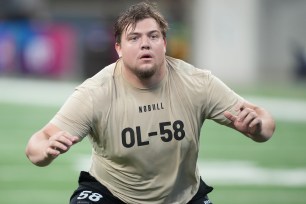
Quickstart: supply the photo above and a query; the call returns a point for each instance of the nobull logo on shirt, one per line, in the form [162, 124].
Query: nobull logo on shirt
[151, 107]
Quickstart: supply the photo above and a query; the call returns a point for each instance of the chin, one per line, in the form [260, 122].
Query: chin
[145, 73]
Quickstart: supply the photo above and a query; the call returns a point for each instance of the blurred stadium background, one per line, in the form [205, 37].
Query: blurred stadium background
[258, 47]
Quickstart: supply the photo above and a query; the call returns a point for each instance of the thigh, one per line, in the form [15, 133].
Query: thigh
[91, 191]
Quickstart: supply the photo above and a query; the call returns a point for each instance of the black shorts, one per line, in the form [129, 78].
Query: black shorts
[90, 191]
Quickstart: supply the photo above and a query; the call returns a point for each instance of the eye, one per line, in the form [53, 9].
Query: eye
[154, 36]
[133, 38]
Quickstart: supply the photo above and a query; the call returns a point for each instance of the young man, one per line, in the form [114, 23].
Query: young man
[143, 115]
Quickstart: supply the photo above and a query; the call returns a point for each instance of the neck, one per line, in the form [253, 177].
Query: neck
[144, 83]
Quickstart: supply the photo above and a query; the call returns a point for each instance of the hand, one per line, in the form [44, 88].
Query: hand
[246, 121]
[60, 143]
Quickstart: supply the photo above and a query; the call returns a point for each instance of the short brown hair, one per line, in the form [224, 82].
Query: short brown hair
[136, 13]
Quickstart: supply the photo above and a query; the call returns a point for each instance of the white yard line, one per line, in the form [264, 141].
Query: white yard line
[283, 109]
[35, 92]
[247, 173]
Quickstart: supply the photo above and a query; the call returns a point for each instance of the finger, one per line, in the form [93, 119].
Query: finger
[52, 152]
[255, 127]
[230, 116]
[73, 139]
[64, 138]
[60, 143]
[255, 123]
[65, 141]
[57, 145]
[249, 118]
[244, 113]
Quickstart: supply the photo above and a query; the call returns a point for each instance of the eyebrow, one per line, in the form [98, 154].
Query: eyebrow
[138, 33]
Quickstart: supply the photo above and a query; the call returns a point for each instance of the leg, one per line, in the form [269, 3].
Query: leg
[90, 191]
[201, 196]
[203, 200]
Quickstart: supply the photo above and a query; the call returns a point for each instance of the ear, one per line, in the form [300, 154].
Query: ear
[165, 45]
[118, 49]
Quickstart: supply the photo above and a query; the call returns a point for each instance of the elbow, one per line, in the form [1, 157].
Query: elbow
[261, 139]
[37, 162]
[34, 160]
[265, 135]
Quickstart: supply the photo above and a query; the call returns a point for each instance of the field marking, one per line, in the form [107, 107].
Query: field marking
[284, 109]
[233, 173]
[54, 93]
[247, 173]
[35, 92]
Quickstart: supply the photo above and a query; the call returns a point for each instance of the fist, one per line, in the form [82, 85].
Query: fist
[246, 121]
[60, 143]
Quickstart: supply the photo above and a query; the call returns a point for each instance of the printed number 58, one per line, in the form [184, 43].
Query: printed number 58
[95, 197]
[168, 134]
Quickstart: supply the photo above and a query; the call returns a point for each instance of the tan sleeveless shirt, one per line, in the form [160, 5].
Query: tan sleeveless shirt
[146, 141]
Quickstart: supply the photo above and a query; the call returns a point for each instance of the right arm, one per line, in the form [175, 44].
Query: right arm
[48, 143]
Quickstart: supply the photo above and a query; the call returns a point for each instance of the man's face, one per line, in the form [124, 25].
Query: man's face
[143, 48]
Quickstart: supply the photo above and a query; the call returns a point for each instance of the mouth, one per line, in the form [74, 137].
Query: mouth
[146, 56]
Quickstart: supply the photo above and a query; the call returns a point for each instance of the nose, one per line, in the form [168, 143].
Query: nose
[145, 47]
[145, 44]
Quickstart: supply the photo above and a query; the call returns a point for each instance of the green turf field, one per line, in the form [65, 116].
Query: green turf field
[22, 182]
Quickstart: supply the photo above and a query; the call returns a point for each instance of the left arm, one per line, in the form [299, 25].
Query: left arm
[252, 121]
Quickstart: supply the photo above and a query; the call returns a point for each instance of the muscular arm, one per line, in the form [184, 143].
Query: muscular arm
[47, 144]
[253, 121]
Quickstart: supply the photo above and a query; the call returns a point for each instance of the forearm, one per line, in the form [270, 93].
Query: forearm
[47, 144]
[36, 150]
[252, 121]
